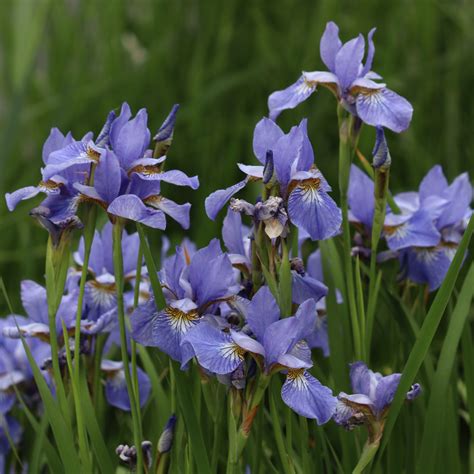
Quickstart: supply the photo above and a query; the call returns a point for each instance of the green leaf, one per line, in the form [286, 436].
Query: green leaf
[426, 334]
[193, 427]
[285, 299]
[61, 431]
[442, 378]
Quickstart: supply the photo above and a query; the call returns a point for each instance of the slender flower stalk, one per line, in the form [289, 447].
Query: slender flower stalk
[57, 259]
[345, 158]
[119, 281]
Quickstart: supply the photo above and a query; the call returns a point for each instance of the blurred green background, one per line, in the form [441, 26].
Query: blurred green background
[67, 63]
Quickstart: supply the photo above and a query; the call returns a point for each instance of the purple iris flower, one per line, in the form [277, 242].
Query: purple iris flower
[193, 285]
[302, 187]
[413, 227]
[442, 212]
[373, 395]
[127, 180]
[278, 344]
[116, 388]
[352, 82]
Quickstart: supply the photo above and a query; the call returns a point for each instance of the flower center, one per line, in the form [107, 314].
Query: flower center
[181, 321]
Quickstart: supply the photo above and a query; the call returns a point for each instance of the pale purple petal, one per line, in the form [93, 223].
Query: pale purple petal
[434, 182]
[21, 195]
[361, 196]
[308, 397]
[312, 209]
[330, 45]
[265, 136]
[215, 350]
[218, 199]
[179, 212]
[384, 108]
[363, 380]
[55, 141]
[305, 287]
[107, 177]
[131, 207]
[232, 233]
[459, 196]
[262, 311]
[220, 278]
[255, 171]
[131, 141]
[385, 391]
[164, 329]
[348, 61]
[116, 391]
[34, 300]
[289, 98]
[418, 231]
[247, 343]
[179, 179]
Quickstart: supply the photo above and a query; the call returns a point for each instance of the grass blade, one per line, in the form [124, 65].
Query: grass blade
[427, 333]
[442, 377]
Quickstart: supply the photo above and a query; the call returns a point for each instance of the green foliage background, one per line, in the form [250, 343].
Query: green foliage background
[66, 63]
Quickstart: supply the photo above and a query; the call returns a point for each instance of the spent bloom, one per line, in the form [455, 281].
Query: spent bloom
[351, 80]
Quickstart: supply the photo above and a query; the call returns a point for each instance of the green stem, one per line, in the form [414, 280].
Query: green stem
[57, 261]
[160, 301]
[381, 181]
[119, 282]
[277, 431]
[345, 158]
[136, 298]
[368, 453]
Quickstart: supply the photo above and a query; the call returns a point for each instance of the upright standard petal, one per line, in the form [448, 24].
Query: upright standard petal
[55, 141]
[211, 276]
[262, 311]
[305, 287]
[131, 141]
[434, 183]
[218, 199]
[459, 196]
[308, 397]
[265, 136]
[290, 97]
[385, 392]
[348, 61]
[107, 177]
[312, 209]
[131, 207]
[330, 45]
[384, 108]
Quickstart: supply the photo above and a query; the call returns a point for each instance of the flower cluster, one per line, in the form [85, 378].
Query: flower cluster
[251, 315]
[117, 171]
[425, 232]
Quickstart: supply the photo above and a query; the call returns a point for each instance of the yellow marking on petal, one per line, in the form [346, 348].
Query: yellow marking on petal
[93, 154]
[181, 321]
[146, 170]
